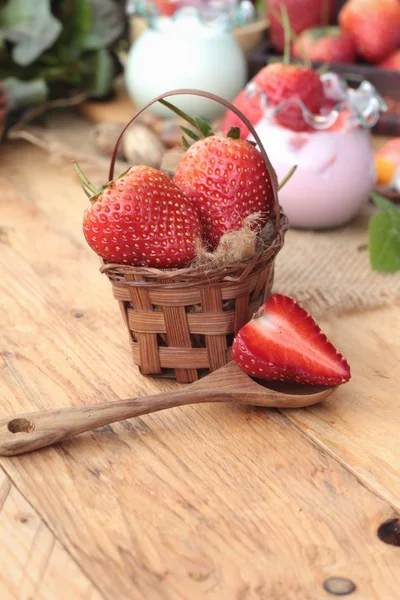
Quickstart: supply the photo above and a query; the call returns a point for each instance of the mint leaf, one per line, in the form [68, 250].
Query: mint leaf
[234, 133]
[384, 242]
[384, 204]
[384, 236]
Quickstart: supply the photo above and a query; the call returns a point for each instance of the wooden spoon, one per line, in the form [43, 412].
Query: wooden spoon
[31, 431]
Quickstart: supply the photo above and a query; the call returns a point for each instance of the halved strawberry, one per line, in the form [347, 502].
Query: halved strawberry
[283, 342]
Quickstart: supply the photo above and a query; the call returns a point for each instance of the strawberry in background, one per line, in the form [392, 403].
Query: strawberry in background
[391, 62]
[280, 82]
[326, 45]
[302, 14]
[167, 8]
[374, 26]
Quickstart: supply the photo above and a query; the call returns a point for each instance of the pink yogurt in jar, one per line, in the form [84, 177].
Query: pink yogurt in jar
[335, 172]
[334, 157]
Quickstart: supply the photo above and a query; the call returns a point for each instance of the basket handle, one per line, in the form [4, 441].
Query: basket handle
[228, 105]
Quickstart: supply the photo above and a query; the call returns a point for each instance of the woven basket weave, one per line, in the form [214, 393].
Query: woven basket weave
[183, 321]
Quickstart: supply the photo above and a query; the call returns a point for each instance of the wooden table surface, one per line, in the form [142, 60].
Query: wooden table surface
[205, 501]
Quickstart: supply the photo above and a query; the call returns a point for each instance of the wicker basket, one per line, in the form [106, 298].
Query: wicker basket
[182, 322]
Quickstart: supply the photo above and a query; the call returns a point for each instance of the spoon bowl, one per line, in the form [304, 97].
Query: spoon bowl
[31, 431]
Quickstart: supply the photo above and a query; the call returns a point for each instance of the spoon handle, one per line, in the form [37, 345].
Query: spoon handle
[31, 431]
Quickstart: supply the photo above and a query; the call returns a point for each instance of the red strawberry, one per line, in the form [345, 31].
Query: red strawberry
[250, 106]
[325, 44]
[374, 25]
[281, 82]
[227, 180]
[283, 342]
[302, 15]
[142, 219]
[391, 62]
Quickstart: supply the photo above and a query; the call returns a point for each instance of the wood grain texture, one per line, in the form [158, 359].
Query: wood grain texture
[20, 433]
[34, 565]
[360, 425]
[198, 502]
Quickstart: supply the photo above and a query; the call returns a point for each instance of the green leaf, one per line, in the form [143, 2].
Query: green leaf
[30, 26]
[21, 94]
[185, 143]
[190, 133]
[103, 71]
[287, 177]
[384, 204]
[203, 126]
[77, 22]
[107, 24]
[234, 133]
[384, 242]
[316, 33]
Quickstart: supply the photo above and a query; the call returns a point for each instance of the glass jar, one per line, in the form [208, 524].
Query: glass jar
[334, 157]
[186, 51]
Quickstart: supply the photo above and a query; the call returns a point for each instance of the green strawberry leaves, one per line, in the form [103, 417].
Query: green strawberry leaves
[320, 32]
[234, 133]
[287, 177]
[384, 236]
[201, 125]
[190, 133]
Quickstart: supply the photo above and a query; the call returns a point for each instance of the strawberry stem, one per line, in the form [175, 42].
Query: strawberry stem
[287, 177]
[325, 13]
[293, 35]
[288, 34]
[84, 180]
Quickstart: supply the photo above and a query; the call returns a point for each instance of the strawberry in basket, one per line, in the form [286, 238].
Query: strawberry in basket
[141, 218]
[227, 180]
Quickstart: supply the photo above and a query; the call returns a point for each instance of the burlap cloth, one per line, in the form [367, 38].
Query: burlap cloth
[329, 271]
[326, 271]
